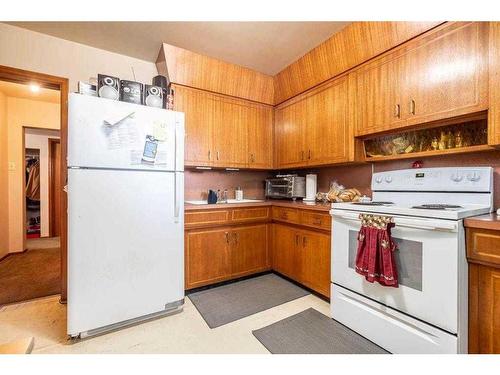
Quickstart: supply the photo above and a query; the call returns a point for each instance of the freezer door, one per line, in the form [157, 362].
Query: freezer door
[125, 245]
[104, 133]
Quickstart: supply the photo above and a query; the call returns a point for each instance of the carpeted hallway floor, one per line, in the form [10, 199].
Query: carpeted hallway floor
[31, 274]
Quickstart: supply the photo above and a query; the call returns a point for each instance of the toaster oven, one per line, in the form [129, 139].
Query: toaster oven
[286, 186]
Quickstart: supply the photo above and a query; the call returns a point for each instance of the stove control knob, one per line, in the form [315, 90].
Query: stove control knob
[388, 179]
[456, 177]
[378, 179]
[473, 177]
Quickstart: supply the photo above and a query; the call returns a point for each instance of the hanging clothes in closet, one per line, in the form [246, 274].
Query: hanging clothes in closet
[33, 179]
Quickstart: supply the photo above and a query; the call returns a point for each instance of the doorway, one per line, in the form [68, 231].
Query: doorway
[42, 157]
[33, 173]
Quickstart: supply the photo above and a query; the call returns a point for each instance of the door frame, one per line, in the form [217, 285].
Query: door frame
[52, 223]
[62, 84]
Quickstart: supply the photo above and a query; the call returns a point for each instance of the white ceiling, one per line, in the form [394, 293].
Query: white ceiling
[267, 47]
[19, 90]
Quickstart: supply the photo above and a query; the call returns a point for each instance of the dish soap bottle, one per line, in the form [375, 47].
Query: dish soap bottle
[238, 194]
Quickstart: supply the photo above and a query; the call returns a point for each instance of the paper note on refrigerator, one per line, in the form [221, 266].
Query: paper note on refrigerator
[160, 131]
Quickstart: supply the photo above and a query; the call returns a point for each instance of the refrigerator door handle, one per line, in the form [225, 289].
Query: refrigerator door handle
[176, 192]
[175, 146]
[177, 204]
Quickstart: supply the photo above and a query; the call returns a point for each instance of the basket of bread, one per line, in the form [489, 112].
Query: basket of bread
[338, 194]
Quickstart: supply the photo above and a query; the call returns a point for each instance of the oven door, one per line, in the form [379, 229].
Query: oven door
[427, 260]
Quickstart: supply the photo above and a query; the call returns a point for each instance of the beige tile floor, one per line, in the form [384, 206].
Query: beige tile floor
[186, 332]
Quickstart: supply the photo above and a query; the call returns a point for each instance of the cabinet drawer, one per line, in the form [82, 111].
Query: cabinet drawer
[289, 215]
[483, 245]
[316, 219]
[250, 214]
[206, 217]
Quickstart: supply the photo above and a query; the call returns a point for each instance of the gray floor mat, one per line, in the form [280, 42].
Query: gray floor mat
[227, 303]
[311, 332]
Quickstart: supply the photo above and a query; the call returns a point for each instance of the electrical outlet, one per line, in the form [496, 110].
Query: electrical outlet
[12, 166]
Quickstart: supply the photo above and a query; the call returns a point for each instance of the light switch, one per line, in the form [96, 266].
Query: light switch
[12, 166]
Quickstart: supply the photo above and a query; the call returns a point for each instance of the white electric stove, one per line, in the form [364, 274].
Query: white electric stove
[428, 312]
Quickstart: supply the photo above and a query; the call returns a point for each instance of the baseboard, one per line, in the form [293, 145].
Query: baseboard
[14, 253]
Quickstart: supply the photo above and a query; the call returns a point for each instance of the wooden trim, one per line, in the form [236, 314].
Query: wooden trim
[494, 84]
[23, 160]
[473, 309]
[191, 69]
[52, 223]
[62, 84]
[9, 254]
[426, 154]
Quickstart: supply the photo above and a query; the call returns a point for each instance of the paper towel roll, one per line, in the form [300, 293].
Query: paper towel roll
[311, 187]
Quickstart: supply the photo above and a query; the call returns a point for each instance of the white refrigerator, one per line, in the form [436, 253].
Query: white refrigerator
[125, 214]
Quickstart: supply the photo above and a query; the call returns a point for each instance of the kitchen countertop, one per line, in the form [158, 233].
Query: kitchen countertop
[488, 221]
[280, 203]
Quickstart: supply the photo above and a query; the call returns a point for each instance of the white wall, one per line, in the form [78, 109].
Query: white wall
[29, 50]
[39, 139]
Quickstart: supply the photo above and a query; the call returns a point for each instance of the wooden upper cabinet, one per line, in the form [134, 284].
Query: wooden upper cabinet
[260, 136]
[229, 134]
[288, 131]
[355, 44]
[440, 75]
[447, 75]
[313, 129]
[379, 95]
[223, 131]
[327, 133]
[198, 108]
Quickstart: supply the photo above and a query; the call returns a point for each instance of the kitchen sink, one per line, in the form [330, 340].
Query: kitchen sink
[229, 201]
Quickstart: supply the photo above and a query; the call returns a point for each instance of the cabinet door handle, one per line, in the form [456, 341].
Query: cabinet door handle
[296, 239]
[301, 155]
[209, 154]
[252, 159]
[412, 107]
[235, 235]
[397, 111]
[217, 155]
[227, 236]
[304, 241]
[309, 156]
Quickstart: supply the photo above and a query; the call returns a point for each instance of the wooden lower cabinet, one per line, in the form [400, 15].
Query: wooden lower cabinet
[484, 309]
[483, 253]
[207, 256]
[249, 250]
[229, 243]
[303, 255]
[285, 250]
[316, 248]
[214, 255]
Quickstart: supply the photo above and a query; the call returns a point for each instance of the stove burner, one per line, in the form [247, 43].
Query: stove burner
[436, 206]
[374, 203]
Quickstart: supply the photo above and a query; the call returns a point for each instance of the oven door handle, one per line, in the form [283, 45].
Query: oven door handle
[424, 224]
